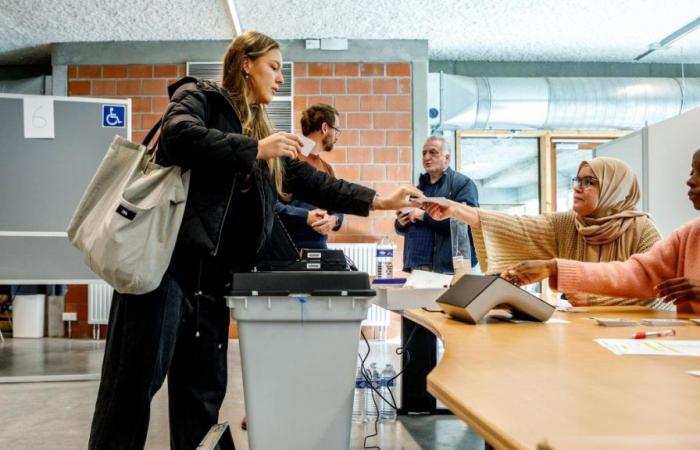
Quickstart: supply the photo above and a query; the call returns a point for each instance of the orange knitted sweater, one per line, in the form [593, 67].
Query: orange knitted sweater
[674, 257]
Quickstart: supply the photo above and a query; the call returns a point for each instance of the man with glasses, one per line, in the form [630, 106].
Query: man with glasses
[308, 226]
[428, 242]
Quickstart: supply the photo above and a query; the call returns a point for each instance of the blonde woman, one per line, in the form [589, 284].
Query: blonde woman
[239, 167]
[604, 225]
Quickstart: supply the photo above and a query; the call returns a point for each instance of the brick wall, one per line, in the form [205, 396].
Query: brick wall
[374, 102]
[145, 84]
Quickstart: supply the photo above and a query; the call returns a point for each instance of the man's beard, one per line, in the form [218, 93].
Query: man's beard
[327, 143]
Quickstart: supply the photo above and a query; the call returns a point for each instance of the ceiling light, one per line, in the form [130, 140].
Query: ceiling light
[673, 37]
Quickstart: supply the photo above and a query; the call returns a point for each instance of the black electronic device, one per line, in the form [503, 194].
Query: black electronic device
[473, 296]
[284, 283]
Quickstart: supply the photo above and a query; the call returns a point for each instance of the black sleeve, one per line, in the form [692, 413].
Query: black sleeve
[187, 142]
[306, 183]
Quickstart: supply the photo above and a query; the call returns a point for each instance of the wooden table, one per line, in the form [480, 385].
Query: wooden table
[550, 386]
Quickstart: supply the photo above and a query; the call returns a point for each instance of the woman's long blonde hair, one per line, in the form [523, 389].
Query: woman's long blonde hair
[254, 118]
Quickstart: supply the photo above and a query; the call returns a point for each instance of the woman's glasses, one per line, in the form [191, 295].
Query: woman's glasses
[583, 181]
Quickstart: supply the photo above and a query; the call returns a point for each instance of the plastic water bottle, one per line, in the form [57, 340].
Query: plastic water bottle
[385, 258]
[358, 401]
[371, 397]
[387, 412]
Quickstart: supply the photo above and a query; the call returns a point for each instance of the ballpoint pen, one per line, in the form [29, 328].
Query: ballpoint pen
[648, 334]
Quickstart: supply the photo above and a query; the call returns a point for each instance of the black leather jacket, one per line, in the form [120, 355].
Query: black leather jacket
[202, 132]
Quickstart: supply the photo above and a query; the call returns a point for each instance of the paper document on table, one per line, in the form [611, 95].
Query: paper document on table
[651, 347]
[695, 373]
[421, 279]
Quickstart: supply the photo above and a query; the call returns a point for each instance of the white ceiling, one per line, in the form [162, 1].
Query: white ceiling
[476, 30]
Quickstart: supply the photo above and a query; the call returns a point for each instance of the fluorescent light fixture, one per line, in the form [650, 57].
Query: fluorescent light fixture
[671, 38]
[233, 13]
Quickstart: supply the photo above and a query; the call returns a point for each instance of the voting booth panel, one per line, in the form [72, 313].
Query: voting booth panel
[660, 155]
[50, 149]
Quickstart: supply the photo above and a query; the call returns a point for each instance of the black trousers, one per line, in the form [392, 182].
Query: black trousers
[165, 332]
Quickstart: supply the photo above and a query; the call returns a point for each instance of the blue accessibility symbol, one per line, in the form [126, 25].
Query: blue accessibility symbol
[113, 116]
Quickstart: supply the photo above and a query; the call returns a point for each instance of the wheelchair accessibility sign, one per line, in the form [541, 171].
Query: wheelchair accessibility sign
[113, 116]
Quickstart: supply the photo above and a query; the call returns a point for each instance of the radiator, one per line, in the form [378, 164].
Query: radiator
[363, 255]
[99, 302]
[365, 258]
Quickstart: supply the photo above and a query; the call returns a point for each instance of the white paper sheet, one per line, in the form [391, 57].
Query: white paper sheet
[309, 145]
[424, 279]
[38, 117]
[651, 347]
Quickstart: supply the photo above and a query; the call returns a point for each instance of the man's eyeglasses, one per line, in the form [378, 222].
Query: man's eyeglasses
[338, 131]
[583, 181]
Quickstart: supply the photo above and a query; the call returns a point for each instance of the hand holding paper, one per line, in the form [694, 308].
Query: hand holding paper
[309, 145]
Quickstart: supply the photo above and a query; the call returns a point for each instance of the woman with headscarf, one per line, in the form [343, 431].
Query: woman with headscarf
[670, 270]
[604, 225]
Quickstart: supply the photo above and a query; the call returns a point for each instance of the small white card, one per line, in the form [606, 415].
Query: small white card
[615, 322]
[309, 145]
[38, 117]
[663, 322]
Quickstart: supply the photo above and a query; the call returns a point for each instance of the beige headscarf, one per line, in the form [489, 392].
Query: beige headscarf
[614, 219]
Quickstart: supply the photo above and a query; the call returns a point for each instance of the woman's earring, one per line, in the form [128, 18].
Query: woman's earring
[245, 75]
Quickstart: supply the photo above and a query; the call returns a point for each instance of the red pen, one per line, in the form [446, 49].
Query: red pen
[648, 334]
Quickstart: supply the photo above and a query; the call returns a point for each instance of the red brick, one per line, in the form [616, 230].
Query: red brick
[89, 71]
[342, 120]
[320, 70]
[299, 102]
[78, 88]
[359, 120]
[349, 137]
[347, 172]
[333, 86]
[104, 87]
[181, 70]
[307, 86]
[398, 70]
[347, 103]
[404, 121]
[398, 103]
[138, 135]
[386, 155]
[154, 87]
[372, 137]
[384, 226]
[300, 70]
[72, 71]
[159, 104]
[128, 87]
[336, 156]
[386, 120]
[384, 86]
[359, 86]
[360, 155]
[372, 103]
[372, 172]
[404, 86]
[398, 172]
[139, 71]
[314, 99]
[405, 155]
[346, 70]
[386, 189]
[398, 138]
[137, 121]
[114, 72]
[149, 119]
[359, 225]
[165, 70]
[141, 104]
[372, 70]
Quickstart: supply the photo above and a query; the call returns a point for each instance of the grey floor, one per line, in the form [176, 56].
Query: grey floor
[51, 414]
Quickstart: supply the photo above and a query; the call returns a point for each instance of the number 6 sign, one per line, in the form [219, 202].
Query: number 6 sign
[38, 117]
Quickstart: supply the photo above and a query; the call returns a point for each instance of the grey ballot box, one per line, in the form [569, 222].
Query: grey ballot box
[473, 296]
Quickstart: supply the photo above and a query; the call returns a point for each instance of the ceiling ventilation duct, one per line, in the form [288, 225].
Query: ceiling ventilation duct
[558, 103]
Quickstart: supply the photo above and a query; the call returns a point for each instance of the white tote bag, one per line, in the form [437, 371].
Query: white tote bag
[128, 219]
